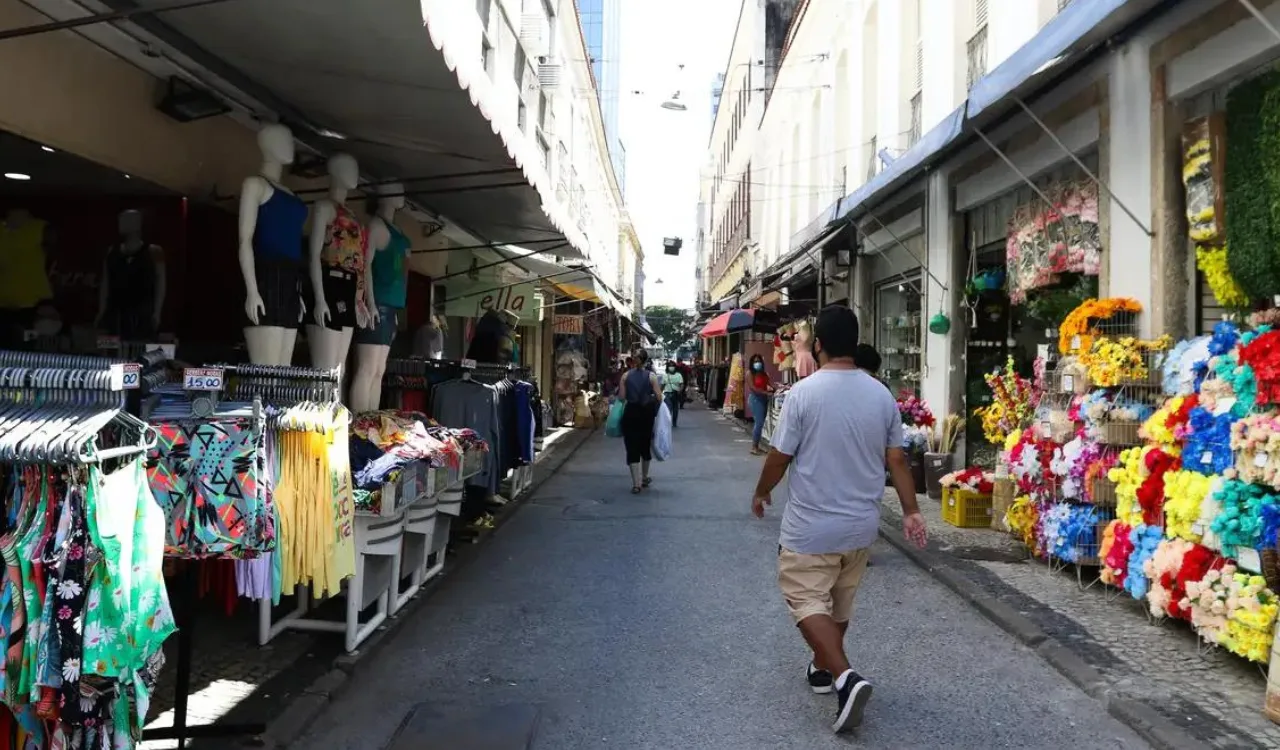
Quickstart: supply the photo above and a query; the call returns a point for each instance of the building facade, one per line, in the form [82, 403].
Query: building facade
[602, 29]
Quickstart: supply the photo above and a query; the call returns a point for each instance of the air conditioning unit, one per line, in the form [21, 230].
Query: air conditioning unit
[533, 34]
[549, 75]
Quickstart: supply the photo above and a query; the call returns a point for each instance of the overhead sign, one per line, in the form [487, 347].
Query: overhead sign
[568, 324]
[472, 299]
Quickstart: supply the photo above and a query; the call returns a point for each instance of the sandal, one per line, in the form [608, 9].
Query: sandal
[646, 482]
[635, 490]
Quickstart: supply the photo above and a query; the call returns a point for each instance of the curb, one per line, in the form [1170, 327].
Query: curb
[314, 699]
[1158, 731]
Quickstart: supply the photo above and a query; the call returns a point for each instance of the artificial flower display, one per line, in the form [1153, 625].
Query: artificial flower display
[1075, 458]
[1145, 539]
[1128, 476]
[1029, 465]
[1168, 424]
[1256, 441]
[972, 479]
[1104, 550]
[1115, 563]
[1077, 332]
[914, 411]
[1250, 624]
[1210, 509]
[1184, 493]
[1196, 564]
[1181, 366]
[915, 438]
[1213, 262]
[1160, 569]
[1239, 524]
[1139, 479]
[1046, 241]
[1225, 338]
[1113, 362]
[1071, 532]
[1207, 448]
[1095, 472]
[1023, 519]
[1206, 600]
[1261, 352]
[1012, 407]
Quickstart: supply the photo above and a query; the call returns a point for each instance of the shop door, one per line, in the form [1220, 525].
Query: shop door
[898, 326]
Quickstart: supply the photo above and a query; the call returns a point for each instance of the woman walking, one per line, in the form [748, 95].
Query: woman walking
[641, 394]
[758, 390]
[673, 392]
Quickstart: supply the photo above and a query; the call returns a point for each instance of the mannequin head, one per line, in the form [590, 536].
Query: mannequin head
[130, 222]
[276, 143]
[344, 171]
[390, 198]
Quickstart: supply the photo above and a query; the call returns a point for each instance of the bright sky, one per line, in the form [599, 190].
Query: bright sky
[665, 149]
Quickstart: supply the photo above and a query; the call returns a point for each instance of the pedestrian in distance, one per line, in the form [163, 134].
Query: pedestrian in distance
[867, 359]
[758, 390]
[673, 391]
[838, 430]
[641, 395]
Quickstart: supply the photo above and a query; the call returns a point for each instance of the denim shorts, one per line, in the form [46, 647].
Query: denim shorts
[384, 332]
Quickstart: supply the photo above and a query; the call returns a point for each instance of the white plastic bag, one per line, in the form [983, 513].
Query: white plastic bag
[662, 433]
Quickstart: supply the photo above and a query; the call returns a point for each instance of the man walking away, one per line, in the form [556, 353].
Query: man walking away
[673, 392]
[838, 430]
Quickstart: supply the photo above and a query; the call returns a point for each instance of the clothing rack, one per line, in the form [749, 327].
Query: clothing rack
[53, 409]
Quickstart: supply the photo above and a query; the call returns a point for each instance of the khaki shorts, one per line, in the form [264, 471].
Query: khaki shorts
[821, 584]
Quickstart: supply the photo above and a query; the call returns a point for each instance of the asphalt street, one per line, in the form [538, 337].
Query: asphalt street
[654, 621]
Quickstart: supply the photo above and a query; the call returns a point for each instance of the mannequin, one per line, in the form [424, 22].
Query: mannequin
[340, 266]
[271, 223]
[806, 365]
[389, 274]
[131, 295]
[24, 276]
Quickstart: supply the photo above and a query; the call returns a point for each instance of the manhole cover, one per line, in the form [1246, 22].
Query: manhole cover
[441, 727]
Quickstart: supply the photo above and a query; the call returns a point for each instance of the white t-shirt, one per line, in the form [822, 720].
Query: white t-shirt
[837, 425]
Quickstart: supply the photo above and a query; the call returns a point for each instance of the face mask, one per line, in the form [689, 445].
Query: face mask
[758, 367]
[671, 371]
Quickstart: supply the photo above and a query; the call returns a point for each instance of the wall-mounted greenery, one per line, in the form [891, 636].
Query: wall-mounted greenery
[1253, 185]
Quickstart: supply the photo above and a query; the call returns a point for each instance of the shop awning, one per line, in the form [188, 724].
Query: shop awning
[577, 283]
[904, 168]
[1076, 28]
[643, 330]
[408, 98]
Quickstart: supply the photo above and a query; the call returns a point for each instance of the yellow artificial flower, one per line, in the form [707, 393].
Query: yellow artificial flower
[1213, 262]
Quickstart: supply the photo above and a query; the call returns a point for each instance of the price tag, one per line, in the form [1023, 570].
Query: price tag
[130, 376]
[29, 335]
[109, 343]
[1260, 459]
[1197, 528]
[1206, 458]
[1075, 343]
[1224, 405]
[202, 379]
[1068, 383]
[468, 364]
[1249, 559]
[1042, 351]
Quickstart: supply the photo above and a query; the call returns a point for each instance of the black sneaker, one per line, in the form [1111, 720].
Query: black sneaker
[820, 680]
[853, 697]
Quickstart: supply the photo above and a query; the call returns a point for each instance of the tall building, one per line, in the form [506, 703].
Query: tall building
[602, 27]
[717, 90]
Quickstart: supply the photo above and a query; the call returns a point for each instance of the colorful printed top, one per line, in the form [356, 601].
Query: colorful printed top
[346, 246]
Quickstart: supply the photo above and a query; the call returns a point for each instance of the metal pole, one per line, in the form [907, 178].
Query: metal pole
[111, 17]
[409, 193]
[391, 180]
[1005, 158]
[507, 286]
[491, 265]
[495, 245]
[1054, 137]
[923, 265]
[1261, 18]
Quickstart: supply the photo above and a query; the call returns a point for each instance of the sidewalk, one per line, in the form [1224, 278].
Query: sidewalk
[1157, 673]
[234, 681]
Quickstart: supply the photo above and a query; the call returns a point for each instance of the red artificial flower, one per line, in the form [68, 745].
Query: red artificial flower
[1198, 561]
[1118, 556]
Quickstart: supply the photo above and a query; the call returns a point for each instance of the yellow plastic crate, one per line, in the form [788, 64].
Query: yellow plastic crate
[966, 509]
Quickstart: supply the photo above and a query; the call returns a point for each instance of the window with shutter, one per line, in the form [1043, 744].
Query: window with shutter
[919, 65]
[980, 13]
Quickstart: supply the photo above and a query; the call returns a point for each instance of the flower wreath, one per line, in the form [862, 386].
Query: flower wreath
[1078, 329]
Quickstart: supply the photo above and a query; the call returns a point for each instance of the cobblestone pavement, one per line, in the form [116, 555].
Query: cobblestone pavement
[654, 621]
[1214, 696]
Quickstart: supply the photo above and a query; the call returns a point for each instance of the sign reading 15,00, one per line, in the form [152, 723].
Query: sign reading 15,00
[202, 379]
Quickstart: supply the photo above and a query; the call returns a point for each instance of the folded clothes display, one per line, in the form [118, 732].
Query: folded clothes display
[384, 442]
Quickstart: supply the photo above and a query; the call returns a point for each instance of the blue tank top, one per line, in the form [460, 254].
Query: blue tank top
[389, 276]
[639, 389]
[278, 233]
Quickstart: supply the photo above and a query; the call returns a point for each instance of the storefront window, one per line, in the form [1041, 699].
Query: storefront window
[898, 324]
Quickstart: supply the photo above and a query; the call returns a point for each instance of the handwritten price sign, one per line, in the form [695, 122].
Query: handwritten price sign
[468, 364]
[131, 376]
[202, 379]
